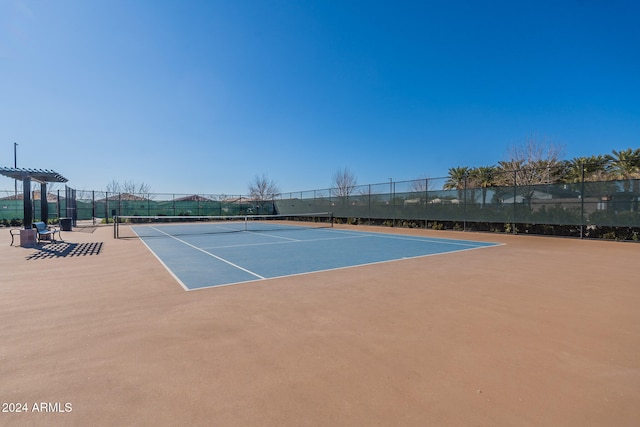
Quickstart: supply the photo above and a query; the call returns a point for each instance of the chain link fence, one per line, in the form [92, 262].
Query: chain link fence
[533, 199]
[528, 199]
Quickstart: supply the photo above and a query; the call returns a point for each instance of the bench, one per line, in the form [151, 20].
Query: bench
[45, 232]
[42, 231]
[14, 232]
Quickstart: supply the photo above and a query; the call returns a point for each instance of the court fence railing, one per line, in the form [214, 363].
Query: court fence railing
[539, 201]
[102, 206]
[510, 202]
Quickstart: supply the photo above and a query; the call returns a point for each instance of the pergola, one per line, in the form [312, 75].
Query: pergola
[42, 176]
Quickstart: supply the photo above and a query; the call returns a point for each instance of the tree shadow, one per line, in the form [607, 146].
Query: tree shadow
[64, 250]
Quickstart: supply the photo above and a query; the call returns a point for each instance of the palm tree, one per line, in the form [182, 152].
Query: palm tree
[595, 169]
[484, 177]
[626, 165]
[457, 179]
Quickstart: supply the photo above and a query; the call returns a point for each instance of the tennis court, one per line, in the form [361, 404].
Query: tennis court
[227, 250]
[532, 332]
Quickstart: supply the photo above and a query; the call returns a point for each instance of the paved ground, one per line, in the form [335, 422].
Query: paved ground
[540, 331]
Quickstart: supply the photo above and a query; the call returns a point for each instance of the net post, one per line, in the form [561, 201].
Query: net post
[331, 218]
[115, 226]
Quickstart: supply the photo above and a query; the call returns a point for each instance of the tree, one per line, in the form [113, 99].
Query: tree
[532, 162]
[626, 166]
[595, 168]
[457, 179]
[421, 185]
[529, 164]
[483, 177]
[344, 182]
[128, 186]
[263, 188]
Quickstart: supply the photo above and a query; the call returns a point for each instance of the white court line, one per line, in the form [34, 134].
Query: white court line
[345, 267]
[434, 240]
[289, 241]
[180, 282]
[210, 254]
[351, 235]
[275, 237]
[421, 239]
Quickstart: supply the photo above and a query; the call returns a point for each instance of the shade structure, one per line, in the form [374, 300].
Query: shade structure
[43, 176]
[39, 175]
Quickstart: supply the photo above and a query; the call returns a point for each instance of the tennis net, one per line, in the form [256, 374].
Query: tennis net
[130, 226]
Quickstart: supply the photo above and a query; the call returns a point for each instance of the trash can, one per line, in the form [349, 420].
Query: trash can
[65, 224]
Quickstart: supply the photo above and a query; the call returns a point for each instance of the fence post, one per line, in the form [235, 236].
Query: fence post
[582, 203]
[426, 202]
[392, 203]
[515, 194]
[369, 205]
[464, 209]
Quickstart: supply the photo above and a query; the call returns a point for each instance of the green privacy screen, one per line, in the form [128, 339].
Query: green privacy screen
[611, 203]
[590, 203]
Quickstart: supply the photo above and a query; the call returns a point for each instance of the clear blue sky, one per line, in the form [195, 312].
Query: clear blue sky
[201, 96]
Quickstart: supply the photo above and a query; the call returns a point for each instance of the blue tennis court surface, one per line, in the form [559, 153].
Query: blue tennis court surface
[207, 260]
